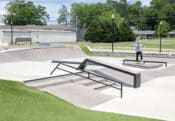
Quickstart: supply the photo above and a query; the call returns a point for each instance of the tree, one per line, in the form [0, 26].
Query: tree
[95, 32]
[63, 15]
[87, 12]
[163, 29]
[100, 29]
[169, 14]
[157, 11]
[135, 15]
[24, 13]
[125, 33]
[120, 6]
[145, 17]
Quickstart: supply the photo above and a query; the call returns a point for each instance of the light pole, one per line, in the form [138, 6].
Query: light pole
[113, 16]
[76, 22]
[160, 49]
[11, 26]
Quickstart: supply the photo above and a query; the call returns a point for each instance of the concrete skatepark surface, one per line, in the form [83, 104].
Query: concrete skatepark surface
[155, 98]
[41, 53]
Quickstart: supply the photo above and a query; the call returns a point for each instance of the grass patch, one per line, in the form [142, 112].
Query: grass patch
[21, 103]
[89, 53]
[86, 51]
[167, 44]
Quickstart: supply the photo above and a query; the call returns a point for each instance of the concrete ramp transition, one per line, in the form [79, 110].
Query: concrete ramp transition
[41, 54]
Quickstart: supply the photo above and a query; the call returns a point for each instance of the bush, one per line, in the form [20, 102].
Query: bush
[97, 32]
[165, 27]
[100, 30]
[125, 33]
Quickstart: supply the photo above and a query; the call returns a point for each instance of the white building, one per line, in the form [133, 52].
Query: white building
[1, 19]
[41, 34]
[147, 34]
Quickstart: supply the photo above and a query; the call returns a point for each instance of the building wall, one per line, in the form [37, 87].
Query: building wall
[1, 36]
[40, 36]
[7, 35]
[171, 35]
[53, 36]
[1, 19]
[148, 36]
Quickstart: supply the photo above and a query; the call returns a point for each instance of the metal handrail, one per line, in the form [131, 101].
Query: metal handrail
[67, 63]
[136, 75]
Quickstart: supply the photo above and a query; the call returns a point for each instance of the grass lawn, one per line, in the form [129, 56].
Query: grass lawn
[168, 44]
[21, 103]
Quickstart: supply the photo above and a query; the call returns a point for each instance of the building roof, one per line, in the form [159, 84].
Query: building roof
[39, 27]
[146, 32]
[172, 32]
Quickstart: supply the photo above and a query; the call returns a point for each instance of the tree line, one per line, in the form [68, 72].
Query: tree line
[142, 17]
[96, 18]
[20, 12]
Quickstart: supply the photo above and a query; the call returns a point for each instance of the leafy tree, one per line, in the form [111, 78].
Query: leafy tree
[96, 18]
[151, 19]
[146, 17]
[169, 14]
[125, 33]
[121, 7]
[23, 13]
[163, 29]
[63, 15]
[156, 4]
[135, 14]
[94, 32]
[124, 8]
[85, 13]
[159, 10]
[152, 15]
[100, 29]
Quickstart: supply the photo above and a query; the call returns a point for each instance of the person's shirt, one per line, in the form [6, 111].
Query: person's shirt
[138, 47]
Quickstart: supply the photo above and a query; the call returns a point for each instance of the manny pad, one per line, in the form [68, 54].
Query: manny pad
[155, 98]
[144, 64]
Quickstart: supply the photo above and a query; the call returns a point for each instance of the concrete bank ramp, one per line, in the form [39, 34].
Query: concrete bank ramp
[73, 90]
[42, 54]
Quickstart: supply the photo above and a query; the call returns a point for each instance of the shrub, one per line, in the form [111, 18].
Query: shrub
[100, 30]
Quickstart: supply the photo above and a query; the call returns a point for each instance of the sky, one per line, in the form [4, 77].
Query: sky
[52, 6]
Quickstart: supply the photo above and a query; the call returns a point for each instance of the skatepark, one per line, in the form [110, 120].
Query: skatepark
[154, 98]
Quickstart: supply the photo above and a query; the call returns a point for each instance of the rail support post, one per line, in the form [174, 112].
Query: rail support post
[137, 80]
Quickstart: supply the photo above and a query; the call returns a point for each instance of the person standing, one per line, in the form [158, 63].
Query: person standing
[138, 51]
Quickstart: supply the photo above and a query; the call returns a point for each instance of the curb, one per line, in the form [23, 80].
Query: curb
[119, 53]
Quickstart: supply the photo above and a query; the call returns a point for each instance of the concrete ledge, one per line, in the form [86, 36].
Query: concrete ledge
[105, 53]
[142, 65]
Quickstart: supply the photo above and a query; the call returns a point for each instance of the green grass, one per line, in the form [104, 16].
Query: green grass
[166, 43]
[86, 51]
[21, 103]
[149, 45]
[89, 53]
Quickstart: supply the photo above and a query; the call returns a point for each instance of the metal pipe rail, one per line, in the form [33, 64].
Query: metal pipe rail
[66, 63]
[110, 85]
[136, 76]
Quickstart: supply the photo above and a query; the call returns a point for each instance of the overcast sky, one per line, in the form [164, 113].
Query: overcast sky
[54, 5]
